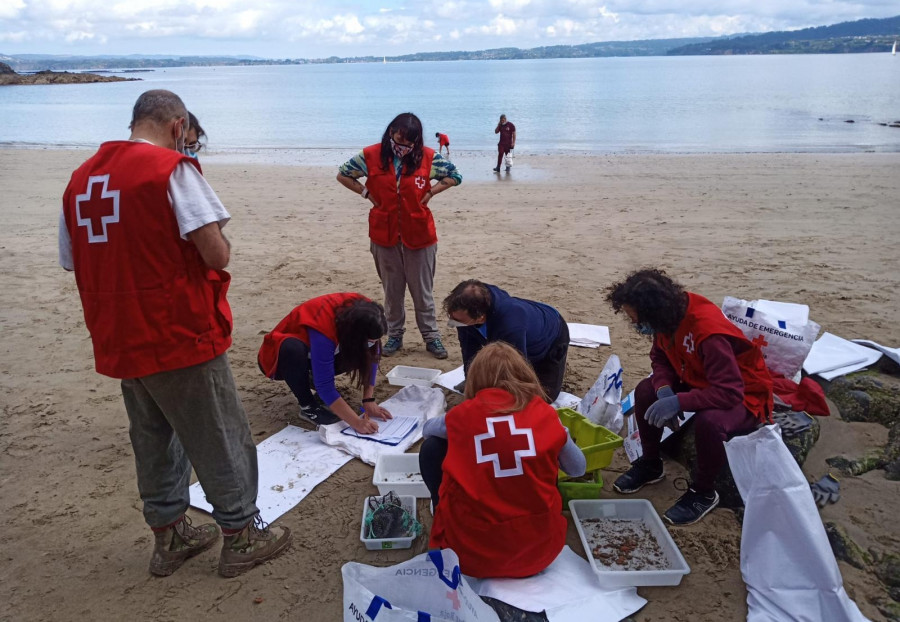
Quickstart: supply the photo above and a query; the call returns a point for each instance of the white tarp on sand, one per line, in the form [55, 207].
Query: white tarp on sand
[291, 463]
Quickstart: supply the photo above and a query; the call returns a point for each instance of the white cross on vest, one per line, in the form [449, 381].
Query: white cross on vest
[499, 438]
[97, 208]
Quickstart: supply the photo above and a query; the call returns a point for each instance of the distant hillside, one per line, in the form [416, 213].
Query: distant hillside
[865, 35]
[43, 62]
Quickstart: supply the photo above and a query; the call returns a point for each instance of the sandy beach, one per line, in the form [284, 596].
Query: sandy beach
[819, 229]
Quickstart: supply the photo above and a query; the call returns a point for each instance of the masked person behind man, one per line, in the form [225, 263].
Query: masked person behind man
[485, 313]
[141, 228]
[702, 363]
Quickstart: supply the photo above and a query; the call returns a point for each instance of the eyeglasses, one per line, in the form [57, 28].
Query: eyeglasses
[194, 146]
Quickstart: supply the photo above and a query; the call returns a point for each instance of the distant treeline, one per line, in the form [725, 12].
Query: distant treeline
[865, 35]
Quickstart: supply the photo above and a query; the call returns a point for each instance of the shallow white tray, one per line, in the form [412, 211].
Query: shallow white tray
[379, 544]
[630, 509]
[400, 473]
[403, 375]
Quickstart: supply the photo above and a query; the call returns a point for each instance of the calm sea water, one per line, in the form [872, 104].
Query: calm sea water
[608, 105]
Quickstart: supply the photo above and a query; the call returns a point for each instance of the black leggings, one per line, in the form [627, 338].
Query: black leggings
[551, 369]
[295, 369]
[431, 464]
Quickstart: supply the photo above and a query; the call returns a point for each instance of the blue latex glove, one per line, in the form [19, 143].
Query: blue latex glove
[662, 410]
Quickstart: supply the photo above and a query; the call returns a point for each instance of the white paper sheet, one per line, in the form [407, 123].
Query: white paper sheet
[421, 403]
[567, 590]
[632, 444]
[451, 378]
[390, 432]
[291, 463]
[831, 352]
[588, 335]
[891, 353]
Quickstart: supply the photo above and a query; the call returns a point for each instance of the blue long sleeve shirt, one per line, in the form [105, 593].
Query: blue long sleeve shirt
[530, 327]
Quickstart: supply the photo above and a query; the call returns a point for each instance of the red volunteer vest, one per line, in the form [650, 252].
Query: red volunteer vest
[150, 302]
[701, 320]
[500, 509]
[399, 214]
[316, 313]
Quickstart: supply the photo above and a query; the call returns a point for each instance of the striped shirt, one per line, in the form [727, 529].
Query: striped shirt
[356, 167]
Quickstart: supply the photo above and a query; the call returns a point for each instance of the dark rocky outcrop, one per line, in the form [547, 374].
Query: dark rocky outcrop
[682, 448]
[9, 77]
[867, 396]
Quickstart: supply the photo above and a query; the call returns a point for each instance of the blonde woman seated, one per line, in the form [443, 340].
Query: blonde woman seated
[494, 461]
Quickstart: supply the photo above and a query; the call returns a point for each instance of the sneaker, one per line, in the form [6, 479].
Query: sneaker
[691, 507]
[318, 415]
[436, 348]
[391, 346]
[641, 473]
[497, 170]
[179, 542]
[254, 544]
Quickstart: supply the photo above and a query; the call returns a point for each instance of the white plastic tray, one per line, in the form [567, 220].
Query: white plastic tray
[379, 544]
[630, 509]
[400, 473]
[403, 375]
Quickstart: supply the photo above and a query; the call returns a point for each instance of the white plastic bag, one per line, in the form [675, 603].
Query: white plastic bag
[786, 560]
[603, 402]
[785, 343]
[508, 159]
[426, 587]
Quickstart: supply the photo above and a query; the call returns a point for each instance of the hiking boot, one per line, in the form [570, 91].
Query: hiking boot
[436, 348]
[318, 415]
[691, 507]
[391, 346]
[254, 544]
[641, 473]
[179, 542]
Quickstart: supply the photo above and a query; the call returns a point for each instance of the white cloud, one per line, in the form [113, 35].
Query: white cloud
[285, 28]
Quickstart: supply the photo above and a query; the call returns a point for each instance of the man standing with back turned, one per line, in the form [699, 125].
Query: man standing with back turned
[141, 228]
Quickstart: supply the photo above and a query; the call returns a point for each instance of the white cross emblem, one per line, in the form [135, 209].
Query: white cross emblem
[689, 343]
[527, 442]
[97, 211]
[420, 182]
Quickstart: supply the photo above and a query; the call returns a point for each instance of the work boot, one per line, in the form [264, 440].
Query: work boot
[641, 473]
[178, 542]
[254, 544]
[436, 348]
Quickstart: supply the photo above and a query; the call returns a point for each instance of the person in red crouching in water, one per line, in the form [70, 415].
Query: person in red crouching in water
[702, 363]
[491, 465]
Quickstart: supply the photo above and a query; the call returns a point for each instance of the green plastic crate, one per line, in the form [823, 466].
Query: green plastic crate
[596, 442]
[581, 489]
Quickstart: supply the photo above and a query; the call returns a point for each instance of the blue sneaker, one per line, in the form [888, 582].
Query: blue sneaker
[391, 346]
[436, 348]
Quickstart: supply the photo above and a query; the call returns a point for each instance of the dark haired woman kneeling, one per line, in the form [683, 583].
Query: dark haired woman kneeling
[702, 363]
[323, 337]
[495, 459]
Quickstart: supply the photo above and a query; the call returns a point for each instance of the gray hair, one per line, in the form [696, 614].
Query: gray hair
[157, 106]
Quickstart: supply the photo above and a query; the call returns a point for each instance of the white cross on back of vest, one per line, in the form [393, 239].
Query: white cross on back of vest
[500, 438]
[97, 208]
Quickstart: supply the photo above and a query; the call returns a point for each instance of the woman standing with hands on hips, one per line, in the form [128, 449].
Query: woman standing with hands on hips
[323, 337]
[398, 173]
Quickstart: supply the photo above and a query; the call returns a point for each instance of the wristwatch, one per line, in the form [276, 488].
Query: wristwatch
[365, 193]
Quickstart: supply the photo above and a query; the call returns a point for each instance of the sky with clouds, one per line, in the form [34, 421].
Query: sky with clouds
[308, 29]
